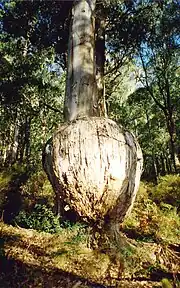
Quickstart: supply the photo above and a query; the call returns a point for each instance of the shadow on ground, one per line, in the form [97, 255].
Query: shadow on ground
[14, 274]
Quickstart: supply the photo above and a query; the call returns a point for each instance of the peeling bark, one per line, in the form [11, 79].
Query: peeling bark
[95, 168]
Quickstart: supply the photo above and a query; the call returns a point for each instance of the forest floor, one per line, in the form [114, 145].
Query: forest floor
[32, 259]
[147, 253]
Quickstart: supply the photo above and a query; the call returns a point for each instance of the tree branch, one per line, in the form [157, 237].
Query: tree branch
[52, 108]
[149, 88]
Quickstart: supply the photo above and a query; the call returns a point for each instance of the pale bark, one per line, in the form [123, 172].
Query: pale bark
[14, 147]
[27, 137]
[5, 146]
[93, 165]
[81, 98]
[9, 145]
[100, 62]
[95, 168]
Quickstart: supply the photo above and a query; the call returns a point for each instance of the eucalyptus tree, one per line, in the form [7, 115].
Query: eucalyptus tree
[29, 87]
[93, 164]
[156, 68]
[29, 101]
[146, 119]
[158, 55]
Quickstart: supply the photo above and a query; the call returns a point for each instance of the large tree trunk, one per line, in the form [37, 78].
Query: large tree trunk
[94, 165]
[81, 98]
[100, 62]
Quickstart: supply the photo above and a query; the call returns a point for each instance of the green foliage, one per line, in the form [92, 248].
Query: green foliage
[33, 48]
[37, 190]
[32, 85]
[78, 230]
[150, 222]
[4, 180]
[167, 191]
[7, 178]
[166, 283]
[41, 218]
[21, 190]
[152, 108]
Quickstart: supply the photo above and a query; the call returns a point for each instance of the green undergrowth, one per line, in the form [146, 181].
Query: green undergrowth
[70, 251]
[24, 192]
[41, 218]
[154, 216]
[37, 190]
[153, 221]
[167, 191]
[7, 176]
[38, 239]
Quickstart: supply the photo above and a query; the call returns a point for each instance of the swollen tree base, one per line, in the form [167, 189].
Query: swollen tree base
[94, 167]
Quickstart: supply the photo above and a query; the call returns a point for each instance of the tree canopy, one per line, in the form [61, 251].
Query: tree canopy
[137, 46]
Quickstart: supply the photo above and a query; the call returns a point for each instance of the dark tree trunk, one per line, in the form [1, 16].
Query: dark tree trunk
[22, 142]
[170, 122]
[163, 167]
[14, 147]
[152, 150]
[172, 134]
[15, 143]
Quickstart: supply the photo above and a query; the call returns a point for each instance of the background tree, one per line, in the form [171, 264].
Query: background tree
[127, 30]
[32, 29]
[156, 71]
[159, 59]
[27, 81]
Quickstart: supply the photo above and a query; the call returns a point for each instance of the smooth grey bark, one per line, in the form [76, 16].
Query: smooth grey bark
[100, 62]
[81, 99]
[14, 147]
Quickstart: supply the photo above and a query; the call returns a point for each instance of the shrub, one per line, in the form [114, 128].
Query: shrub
[4, 182]
[167, 190]
[166, 283]
[37, 190]
[41, 219]
[151, 222]
[11, 179]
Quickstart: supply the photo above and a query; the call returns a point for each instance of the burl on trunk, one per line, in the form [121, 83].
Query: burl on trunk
[93, 164]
